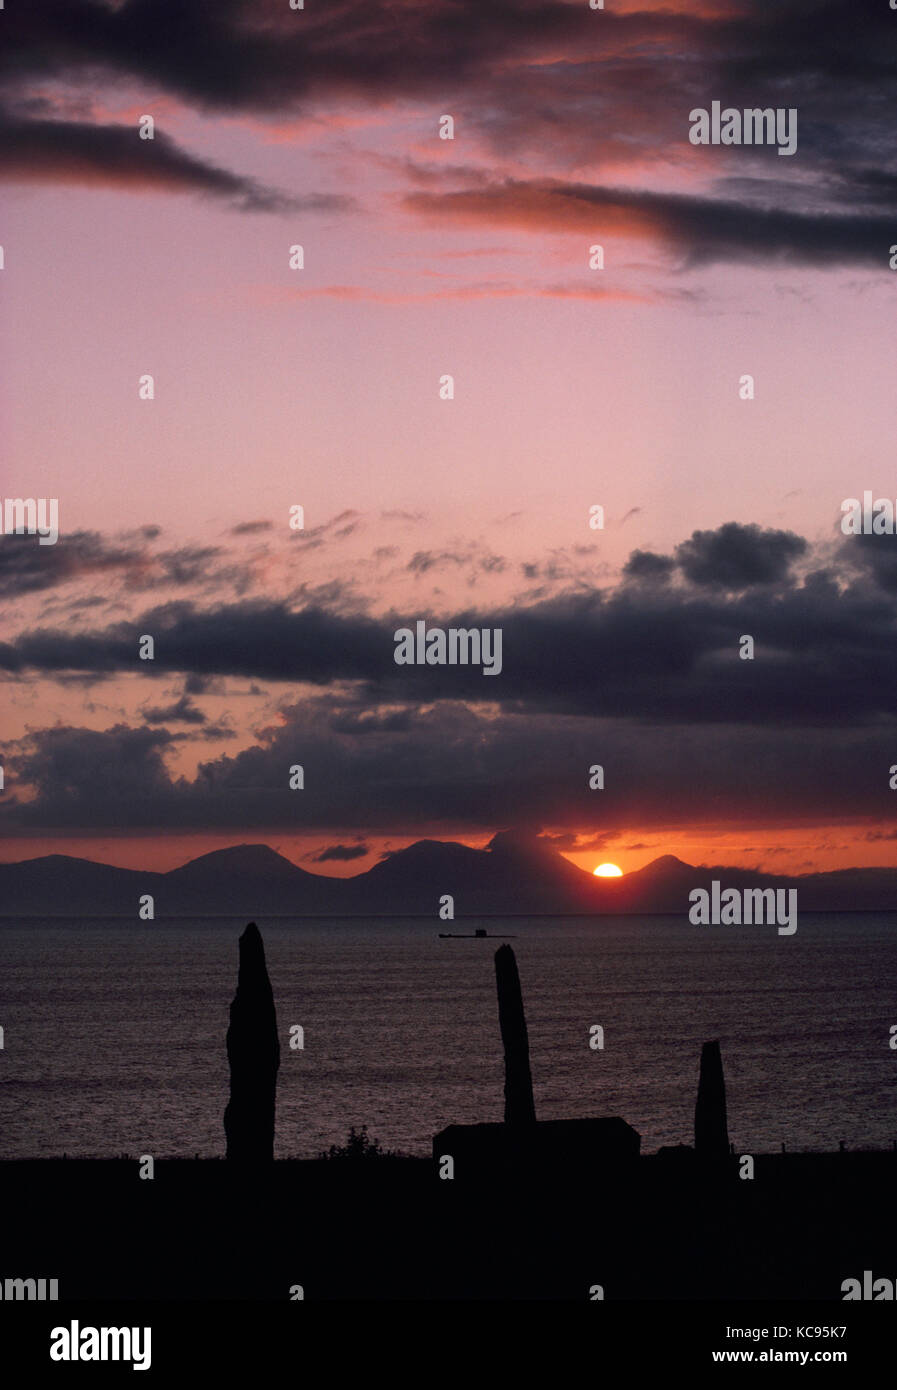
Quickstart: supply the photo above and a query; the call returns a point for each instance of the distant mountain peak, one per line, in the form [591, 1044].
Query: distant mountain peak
[664, 864]
[248, 859]
[241, 851]
[519, 873]
[420, 849]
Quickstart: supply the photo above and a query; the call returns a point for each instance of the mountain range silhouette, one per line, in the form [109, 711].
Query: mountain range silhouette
[516, 873]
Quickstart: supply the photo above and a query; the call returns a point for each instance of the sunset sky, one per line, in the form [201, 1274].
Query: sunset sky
[573, 387]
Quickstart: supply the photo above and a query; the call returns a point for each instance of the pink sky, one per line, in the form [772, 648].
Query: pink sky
[320, 386]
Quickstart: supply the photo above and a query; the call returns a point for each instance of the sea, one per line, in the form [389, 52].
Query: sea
[114, 1032]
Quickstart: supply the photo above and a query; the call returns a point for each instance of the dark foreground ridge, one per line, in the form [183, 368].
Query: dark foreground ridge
[668, 1227]
[524, 1209]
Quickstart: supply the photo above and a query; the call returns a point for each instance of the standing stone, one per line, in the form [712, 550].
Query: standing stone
[519, 1106]
[711, 1129]
[253, 1051]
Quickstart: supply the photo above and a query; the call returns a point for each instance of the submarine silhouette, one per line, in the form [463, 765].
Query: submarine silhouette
[479, 935]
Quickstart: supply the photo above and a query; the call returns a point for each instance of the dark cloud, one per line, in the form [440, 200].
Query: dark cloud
[340, 853]
[255, 638]
[195, 684]
[344, 524]
[371, 721]
[26, 566]
[570, 840]
[626, 88]
[270, 58]
[217, 733]
[183, 711]
[87, 777]
[76, 152]
[701, 229]
[662, 652]
[251, 528]
[335, 595]
[619, 87]
[738, 557]
[875, 556]
[577, 566]
[645, 567]
[189, 563]
[423, 561]
[457, 767]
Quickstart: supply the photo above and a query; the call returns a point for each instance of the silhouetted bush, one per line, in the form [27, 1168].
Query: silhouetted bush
[357, 1146]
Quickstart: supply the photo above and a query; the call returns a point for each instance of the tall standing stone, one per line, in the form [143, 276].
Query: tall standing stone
[519, 1106]
[711, 1129]
[253, 1051]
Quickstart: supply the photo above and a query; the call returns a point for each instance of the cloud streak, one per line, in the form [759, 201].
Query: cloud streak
[701, 230]
[74, 152]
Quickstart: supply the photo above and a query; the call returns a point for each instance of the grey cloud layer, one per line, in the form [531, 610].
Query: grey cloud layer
[650, 648]
[453, 767]
[644, 678]
[620, 86]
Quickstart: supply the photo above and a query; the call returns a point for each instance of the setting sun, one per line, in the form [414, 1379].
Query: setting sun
[608, 871]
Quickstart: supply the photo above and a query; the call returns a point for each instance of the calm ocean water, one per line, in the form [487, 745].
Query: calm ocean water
[115, 1033]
